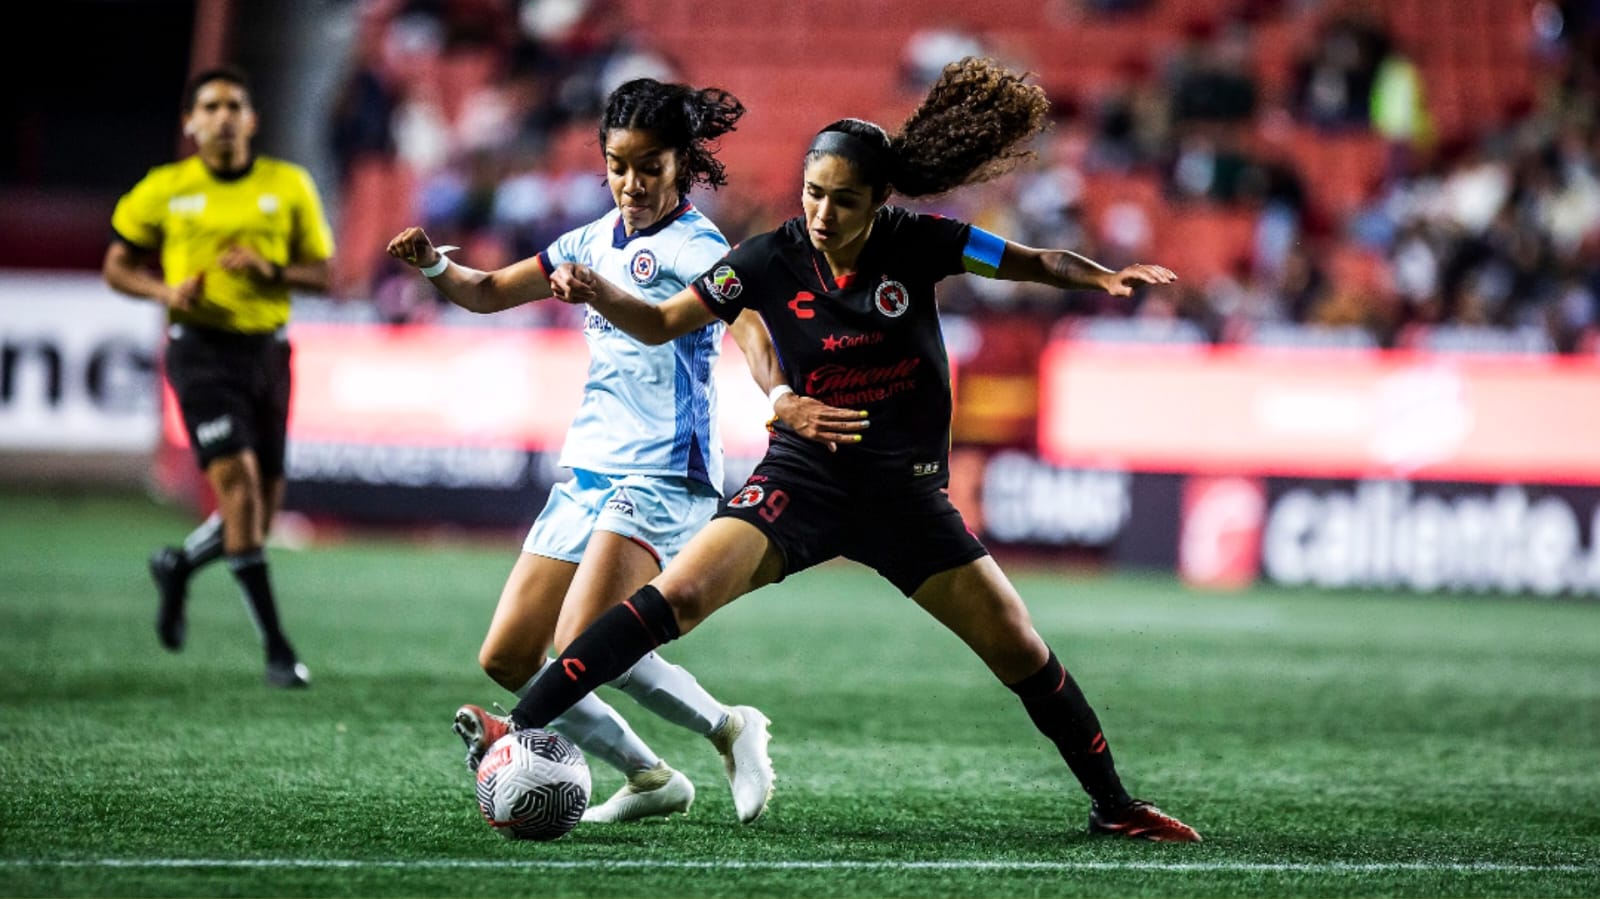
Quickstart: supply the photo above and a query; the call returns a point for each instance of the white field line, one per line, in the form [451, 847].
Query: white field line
[802, 865]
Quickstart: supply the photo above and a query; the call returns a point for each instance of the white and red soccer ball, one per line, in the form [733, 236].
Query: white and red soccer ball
[533, 785]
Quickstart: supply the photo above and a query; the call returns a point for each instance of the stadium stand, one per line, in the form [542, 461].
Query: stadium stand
[1346, 163]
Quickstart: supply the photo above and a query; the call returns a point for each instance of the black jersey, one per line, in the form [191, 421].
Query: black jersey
[871, 341]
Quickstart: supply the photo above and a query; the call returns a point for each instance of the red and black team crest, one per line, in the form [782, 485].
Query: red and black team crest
[643, 267]
[892, 299]
[751, 495]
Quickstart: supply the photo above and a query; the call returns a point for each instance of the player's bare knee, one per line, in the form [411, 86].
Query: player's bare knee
[690, 604]
[507, 669]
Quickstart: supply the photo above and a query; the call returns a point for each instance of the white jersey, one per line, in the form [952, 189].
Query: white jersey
[648, 410]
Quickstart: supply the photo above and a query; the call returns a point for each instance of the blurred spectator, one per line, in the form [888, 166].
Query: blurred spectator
[480, 114]
[1398, 108]
[928, 50]
[1333, 82]
[1132, 120]
[1210, 82]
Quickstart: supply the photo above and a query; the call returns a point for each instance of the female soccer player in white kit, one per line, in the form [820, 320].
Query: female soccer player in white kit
[644, 449]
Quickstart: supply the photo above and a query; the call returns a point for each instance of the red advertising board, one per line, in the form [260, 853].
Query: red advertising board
[1399, 414]
[433, 386]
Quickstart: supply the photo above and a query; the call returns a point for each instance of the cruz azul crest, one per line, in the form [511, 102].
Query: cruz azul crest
[643, 267]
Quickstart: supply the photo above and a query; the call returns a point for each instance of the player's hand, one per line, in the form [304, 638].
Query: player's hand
[242, 260]
[818, 421]
[413, 247]
[573, 283]
[1121, 283]
[186, 294]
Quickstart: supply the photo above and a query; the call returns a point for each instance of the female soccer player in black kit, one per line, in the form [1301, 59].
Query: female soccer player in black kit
[847, 292]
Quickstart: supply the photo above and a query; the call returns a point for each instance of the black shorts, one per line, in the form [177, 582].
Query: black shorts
[905, 535]
[233, 390]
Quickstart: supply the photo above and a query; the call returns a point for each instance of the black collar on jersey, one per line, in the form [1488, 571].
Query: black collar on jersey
[871, 160]
[620, 235]
[232, 174]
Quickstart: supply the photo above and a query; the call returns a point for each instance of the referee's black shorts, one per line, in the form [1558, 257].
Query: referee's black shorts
[233, 390]
[905, 535]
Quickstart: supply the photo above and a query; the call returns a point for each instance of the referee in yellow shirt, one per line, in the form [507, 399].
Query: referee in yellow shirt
[232, 234]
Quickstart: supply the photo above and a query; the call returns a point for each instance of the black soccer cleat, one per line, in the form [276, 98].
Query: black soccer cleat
[1139, 820]
[170, 570]
[288, 673]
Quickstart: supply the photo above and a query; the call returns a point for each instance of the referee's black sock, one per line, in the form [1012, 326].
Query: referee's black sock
[606, 649]
[1061, 713]
[250, 571]
[204, 543]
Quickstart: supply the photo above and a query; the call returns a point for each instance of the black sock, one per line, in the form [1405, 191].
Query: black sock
[204, 543]
[250, 570]
[606, 649]
[1059, 710]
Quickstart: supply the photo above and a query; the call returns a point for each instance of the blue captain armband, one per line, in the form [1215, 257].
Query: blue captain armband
[981, 256]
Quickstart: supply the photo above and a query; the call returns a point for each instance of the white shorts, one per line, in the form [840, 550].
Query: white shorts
[657, 512]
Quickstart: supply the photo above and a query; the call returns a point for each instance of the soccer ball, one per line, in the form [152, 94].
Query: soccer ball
[533, 785]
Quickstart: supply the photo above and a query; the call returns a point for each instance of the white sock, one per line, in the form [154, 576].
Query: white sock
[672, 693]
[600, 732]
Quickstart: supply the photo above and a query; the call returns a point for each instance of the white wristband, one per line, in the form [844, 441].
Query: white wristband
[778, 393]
[437, 269]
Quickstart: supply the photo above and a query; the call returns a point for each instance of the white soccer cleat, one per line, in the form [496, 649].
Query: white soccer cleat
[656, 793]
[742, 742]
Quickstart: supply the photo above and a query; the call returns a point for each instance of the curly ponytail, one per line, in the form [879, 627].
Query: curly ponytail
[971, 127]
[687, 119]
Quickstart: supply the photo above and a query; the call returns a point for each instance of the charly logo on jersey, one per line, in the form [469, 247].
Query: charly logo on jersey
[267, 203]
[891, 298]
[725, 284]
[643, 267]
[751, 495]
[620, 502]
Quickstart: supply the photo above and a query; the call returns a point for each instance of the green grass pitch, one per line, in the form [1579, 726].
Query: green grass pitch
[1326, 744]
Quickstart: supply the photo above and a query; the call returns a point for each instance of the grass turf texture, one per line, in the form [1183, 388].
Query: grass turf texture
[1326, 744]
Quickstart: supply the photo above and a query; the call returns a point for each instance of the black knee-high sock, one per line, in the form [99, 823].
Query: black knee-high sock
[1061, 713]
[250, 571]
[607, 648]
[204, 543]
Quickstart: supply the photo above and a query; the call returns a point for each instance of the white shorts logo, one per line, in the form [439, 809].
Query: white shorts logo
[620, 503]
[214, 430]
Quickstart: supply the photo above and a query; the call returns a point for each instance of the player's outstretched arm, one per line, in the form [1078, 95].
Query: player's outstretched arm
[657, 324]
[471, 289]
[1066, 269]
